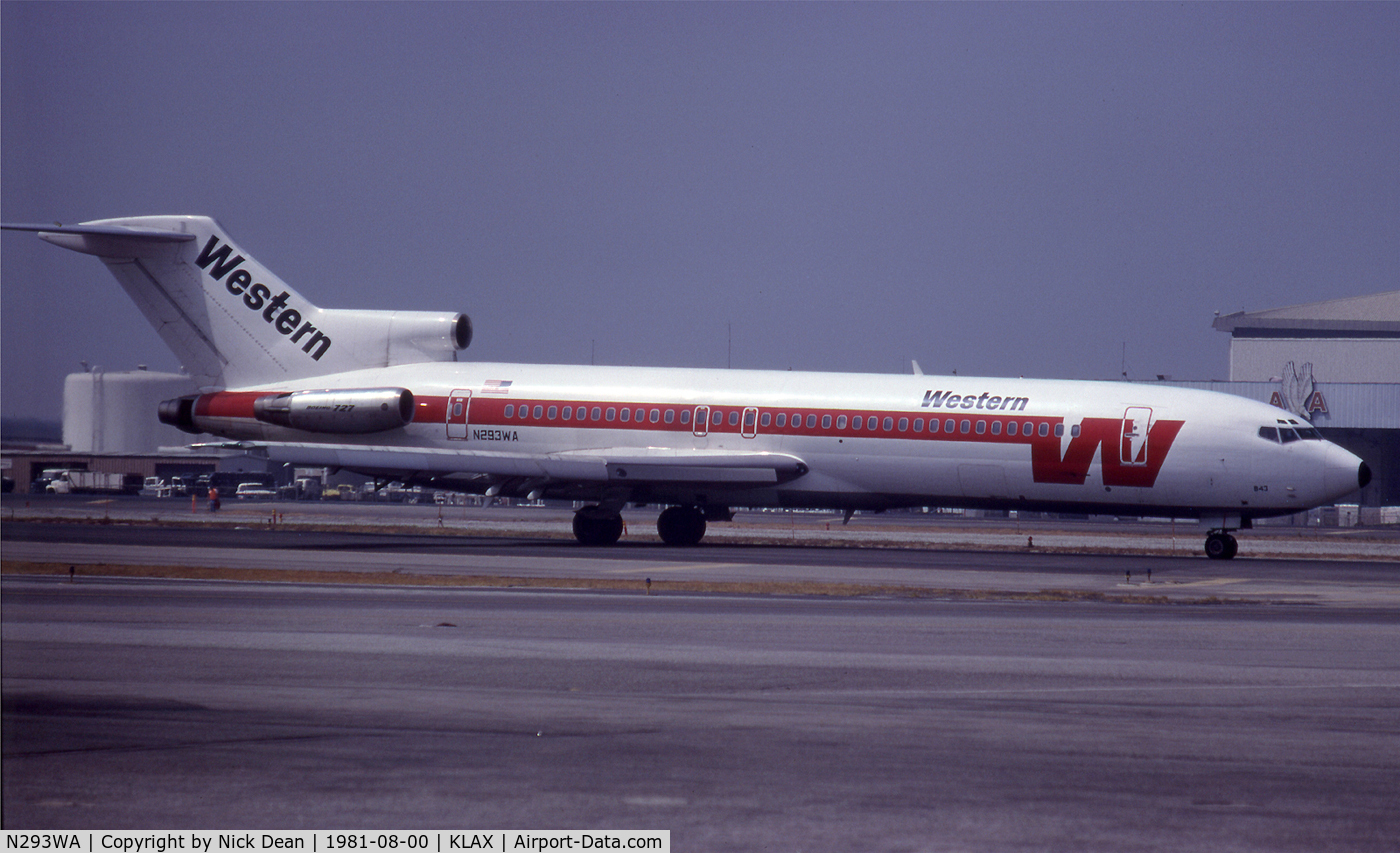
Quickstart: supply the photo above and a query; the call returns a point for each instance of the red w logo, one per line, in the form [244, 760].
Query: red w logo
[1132, 450]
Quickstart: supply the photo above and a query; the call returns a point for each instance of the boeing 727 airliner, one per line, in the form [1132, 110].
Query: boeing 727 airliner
[384, 393]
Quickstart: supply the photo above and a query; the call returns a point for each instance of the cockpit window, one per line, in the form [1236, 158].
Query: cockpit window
[1287, 435]
[1270, 433]
[1309, 433]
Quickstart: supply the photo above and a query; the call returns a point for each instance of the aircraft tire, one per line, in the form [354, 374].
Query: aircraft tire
[1221, 546]
[681, 526]
[594, 525]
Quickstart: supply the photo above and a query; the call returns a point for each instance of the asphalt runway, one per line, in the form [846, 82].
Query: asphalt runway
[1253, 707]
[737, 722]
[987, 572]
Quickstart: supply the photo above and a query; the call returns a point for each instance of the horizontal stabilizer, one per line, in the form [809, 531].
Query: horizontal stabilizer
[155, 235]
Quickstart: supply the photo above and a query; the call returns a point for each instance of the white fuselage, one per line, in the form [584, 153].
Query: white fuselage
[921, 440]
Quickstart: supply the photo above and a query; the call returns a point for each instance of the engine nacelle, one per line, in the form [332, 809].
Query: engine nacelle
[241, 414]
[348, 412]
[179, 413]
[387, 338]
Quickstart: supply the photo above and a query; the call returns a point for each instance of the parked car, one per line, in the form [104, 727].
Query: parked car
[254, 492]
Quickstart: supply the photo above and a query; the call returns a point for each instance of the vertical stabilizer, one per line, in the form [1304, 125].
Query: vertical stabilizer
[231, 321]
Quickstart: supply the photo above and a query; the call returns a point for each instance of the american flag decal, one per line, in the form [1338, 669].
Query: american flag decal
[496, 386]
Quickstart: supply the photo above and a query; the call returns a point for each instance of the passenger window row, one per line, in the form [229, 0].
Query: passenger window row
[625, 414]
[784, 420]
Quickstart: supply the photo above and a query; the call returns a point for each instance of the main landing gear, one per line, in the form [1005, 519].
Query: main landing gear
[1220, 545]
[680, 526]
[596, 525]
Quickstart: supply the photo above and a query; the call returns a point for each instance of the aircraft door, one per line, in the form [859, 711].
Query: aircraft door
[702, 420]
[1137, 421]
[749, 426]
[458, 402]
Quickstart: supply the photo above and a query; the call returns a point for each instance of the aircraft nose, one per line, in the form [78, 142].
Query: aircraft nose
[1344, 472]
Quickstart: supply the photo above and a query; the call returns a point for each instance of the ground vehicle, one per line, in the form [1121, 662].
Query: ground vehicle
[254, 492]
[155, 487]
[72, 481]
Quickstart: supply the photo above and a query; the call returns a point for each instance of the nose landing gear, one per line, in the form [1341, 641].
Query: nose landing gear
[1220, 545]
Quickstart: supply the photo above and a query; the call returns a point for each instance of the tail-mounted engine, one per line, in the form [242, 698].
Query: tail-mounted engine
[343, 412]
[353, 411]
[387, 338]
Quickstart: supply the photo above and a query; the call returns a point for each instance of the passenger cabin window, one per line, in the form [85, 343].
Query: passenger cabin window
[857, 421]
[539, 411]
[626, 415]
[685, 416]
[782, 419]
[1059, 430]
[597, 413]
[766, 419]
[733, 418]
[811, 421]
[510, 410]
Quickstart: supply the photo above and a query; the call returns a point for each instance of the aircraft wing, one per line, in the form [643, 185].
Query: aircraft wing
[602, 466]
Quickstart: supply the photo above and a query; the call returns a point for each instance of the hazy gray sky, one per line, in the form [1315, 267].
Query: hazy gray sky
[1003, 189]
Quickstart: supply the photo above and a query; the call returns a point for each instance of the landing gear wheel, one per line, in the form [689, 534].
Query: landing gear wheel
[594, 525]
[681, 526]
[1221, 546]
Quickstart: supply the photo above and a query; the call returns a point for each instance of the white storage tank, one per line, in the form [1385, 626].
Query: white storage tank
[115, 411]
